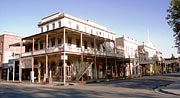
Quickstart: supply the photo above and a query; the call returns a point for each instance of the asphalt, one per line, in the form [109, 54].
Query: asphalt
[173, 88]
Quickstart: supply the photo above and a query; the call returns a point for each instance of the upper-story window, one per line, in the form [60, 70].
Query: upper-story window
[41, 29]
[91, 31]
[53, 25]
[92, 44]
[108, 36]
[85, 44]
[59, 41]
[53, 42]
[69, 23]
[69, 40]
[59, 23]
[47, 27]
[41, 44]
[84, 29]
[77, 27]
[96, 32]
[78, 42]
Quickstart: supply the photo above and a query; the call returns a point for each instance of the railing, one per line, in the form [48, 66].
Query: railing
[89, 51]
[37, 52]
[14, 57]
[26, 54]
[72, 48]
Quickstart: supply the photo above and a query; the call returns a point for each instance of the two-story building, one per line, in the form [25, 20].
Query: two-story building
[150, 58]
[67, 48]
[5, 52]
[129, 64]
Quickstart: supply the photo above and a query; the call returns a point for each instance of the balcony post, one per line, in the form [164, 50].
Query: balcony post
[46, 75]
[81, 57]
[20, 62]
[32, 63]
[95, 66]
[64, 62]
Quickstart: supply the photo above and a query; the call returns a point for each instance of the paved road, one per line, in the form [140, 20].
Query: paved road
[145, 87]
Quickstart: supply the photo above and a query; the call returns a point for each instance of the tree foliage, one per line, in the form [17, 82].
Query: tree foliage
[173, 18]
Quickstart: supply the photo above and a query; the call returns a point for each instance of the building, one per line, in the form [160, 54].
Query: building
[129, 64]
[5, 51]
[67, 48]
[171, 65]
[150, 59]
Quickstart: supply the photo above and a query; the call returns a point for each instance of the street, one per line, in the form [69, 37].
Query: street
[145, 87]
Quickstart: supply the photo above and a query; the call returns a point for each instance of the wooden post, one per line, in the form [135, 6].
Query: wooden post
[81, 58]
[64, 65]
[32, 63]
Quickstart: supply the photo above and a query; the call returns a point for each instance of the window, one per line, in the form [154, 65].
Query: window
[41, 29]
[91, 31]
[78, 42]
[69, 23]
[53, 42]
[77, 27]
[98, 46]
[47, 27]
[92, 44]
[53, 25]
[41, 44]
[85, 44]
[59, 23]
[84, 29]
[69, 40]
[59, 41]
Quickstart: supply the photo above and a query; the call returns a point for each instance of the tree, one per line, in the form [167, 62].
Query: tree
[173, 18]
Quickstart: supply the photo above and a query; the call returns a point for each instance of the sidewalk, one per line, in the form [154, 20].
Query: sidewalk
[173, 88]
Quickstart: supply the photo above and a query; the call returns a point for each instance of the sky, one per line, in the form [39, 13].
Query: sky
[131, 18]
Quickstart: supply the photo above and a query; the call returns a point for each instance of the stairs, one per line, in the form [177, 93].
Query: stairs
[86, 70]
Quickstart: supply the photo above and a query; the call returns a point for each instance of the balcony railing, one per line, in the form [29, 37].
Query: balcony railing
[37, 52]
[26, 54]
[72, 48]
[89, 51]
[14, 57]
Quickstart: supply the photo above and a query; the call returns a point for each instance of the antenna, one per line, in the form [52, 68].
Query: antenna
[148, 33]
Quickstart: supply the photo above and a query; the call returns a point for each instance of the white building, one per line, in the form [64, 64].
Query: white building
[130, 54]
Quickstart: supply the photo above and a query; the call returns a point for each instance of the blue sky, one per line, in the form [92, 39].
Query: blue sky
[125, 17]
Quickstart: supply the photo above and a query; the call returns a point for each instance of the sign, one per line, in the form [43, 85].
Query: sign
[64, 57]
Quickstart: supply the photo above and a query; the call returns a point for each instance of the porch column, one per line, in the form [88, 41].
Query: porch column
[106, 68]
[64, 62]
[32, 72]
[116, 74]
[13, 70]
[106, 62]
[47, 42]
[95, 66]
[8, 74]
[20, 70]
[32, 63]
[46, 76]
[81, 58]
[39, 72]
[20, 62]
